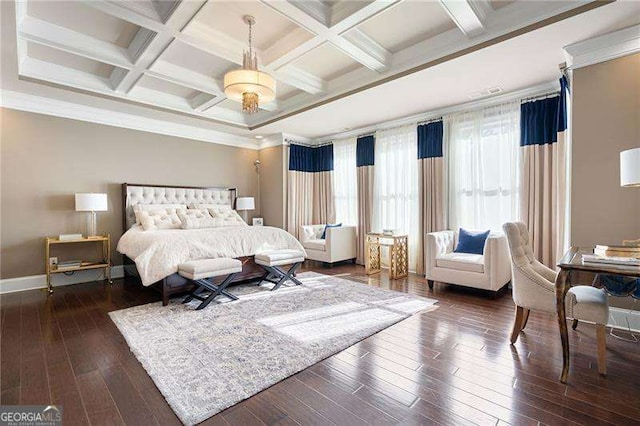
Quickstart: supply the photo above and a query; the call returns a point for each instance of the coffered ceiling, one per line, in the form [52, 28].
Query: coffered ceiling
[173, 54]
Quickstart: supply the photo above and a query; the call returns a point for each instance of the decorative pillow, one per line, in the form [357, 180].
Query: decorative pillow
[196, 219]
[152, 220]
[152, 207]
[324, 233]
[229, 216]
[471, 242]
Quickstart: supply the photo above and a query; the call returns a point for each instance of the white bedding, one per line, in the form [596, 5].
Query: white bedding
[157, 254]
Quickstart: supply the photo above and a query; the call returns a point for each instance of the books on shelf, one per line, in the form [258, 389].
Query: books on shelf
[610, 260]
[69, 264]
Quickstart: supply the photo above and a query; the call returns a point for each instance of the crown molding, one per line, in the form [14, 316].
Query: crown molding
[48, 106]
[603, 48]
[429, 115]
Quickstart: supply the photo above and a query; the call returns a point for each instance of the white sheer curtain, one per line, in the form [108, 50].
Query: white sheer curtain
[345, 186]
[483, 167]
[395, 194]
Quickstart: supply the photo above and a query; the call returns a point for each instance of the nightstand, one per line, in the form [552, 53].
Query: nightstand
[105, 264]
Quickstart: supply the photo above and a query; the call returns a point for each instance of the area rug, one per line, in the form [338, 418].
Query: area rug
[205, 361]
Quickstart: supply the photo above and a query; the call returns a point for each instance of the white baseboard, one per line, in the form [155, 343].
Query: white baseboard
[34, 282]
[618, 319]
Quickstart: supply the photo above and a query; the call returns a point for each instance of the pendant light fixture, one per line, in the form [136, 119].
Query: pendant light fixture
[247, 84]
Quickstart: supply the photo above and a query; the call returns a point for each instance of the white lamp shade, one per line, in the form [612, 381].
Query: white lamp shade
[630, 167]
[240, 81]
[245, 203]
[91, 202]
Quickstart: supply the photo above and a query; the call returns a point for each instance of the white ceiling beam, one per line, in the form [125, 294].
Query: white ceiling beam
[58, 74]
[185, 77]
[320, 11]
[361, 15]
[127, 11]
[290, 11]
[465, 15]
[360, 53]
[42, 32]
[377, 56]
[150, 49]
[301, 79]
[204, 101]
[292, 46]
[212, 41]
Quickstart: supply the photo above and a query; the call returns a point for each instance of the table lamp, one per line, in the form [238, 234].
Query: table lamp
[243, 204]
[630, 167]
[91, 203]
[630, 176]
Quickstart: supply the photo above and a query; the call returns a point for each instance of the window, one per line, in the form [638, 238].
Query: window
[483, 167]
[395, 193]
[345, 181]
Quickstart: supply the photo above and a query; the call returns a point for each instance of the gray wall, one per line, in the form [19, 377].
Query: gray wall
[45, 160]
[273, 169]
[606, 120]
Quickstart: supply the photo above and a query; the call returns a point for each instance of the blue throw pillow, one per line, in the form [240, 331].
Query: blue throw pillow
[471, 242]
[324, 233]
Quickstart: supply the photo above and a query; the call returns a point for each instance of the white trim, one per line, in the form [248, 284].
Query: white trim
[36, 282]
[620, 317]
[603, 48]
[58, 108]
[425, 116]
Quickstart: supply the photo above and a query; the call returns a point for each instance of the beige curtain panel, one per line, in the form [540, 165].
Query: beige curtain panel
[431, 202]
[300, 195]
[324, 208]
[543, 199]
[366, 181]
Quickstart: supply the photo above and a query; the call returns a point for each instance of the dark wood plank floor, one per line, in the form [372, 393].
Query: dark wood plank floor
[453, 365]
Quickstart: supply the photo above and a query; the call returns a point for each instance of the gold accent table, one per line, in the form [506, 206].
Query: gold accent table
[572, 261]
[398, 254]
[105, 264]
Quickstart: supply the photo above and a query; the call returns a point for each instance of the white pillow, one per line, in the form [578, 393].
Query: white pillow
[229, 216]
[152, 220]
[196, 219]
[152, 207]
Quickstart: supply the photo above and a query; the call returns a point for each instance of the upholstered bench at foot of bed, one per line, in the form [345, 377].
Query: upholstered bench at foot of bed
[272, 261]
[201, 272]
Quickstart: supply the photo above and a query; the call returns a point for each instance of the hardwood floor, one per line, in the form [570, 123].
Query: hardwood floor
[453, 365]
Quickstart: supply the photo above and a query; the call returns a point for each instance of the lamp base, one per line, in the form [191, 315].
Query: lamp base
[91, 225]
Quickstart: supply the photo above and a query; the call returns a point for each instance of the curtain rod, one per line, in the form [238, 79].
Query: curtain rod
[309, 145]
[540, 97]
[432, 120]
[366, 134]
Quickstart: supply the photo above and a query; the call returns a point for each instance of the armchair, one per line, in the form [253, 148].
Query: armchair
[487, 271]
[339, 243]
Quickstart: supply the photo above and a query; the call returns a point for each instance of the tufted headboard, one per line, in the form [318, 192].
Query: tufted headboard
[133, 194]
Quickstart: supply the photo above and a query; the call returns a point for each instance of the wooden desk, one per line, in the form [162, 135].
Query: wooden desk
[105, 263]
[572, 261]
[398, 254]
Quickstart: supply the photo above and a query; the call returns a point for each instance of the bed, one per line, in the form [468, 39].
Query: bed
[153, 256]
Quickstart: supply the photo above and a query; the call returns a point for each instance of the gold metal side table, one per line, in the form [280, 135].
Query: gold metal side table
[398, 254]
[105, 263]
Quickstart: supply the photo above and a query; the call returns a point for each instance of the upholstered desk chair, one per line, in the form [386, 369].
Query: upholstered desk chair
[534, 289]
